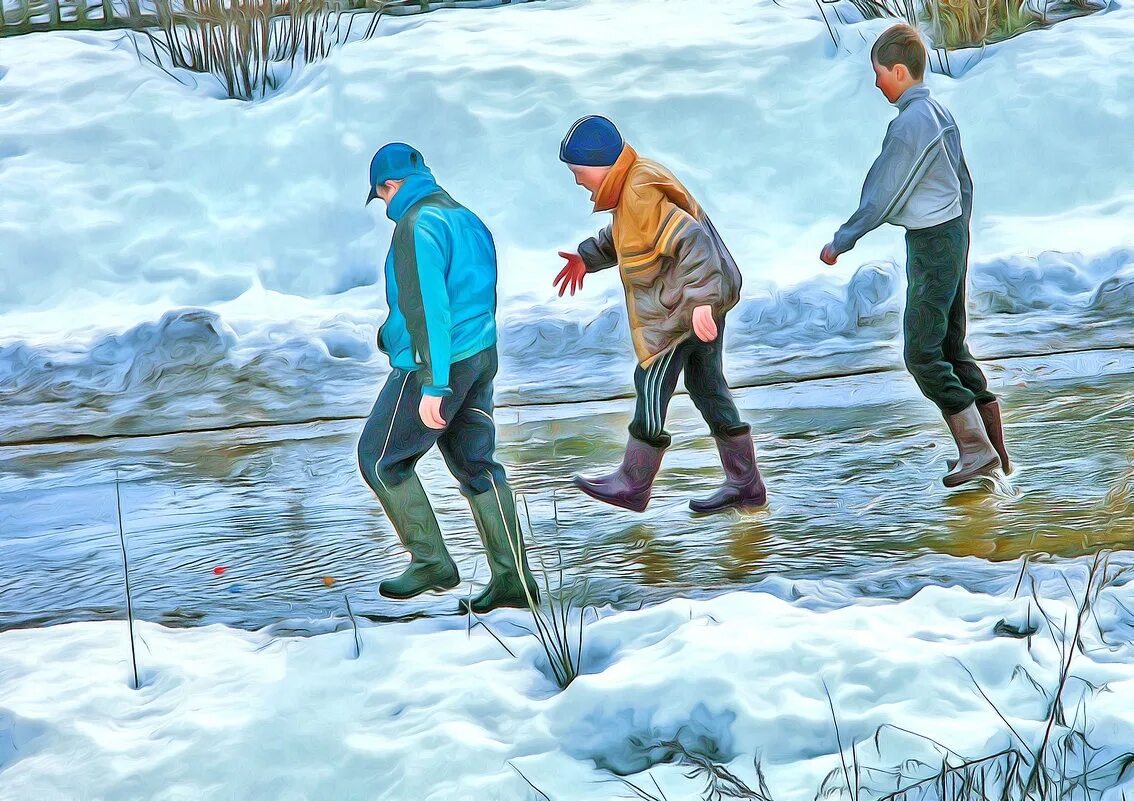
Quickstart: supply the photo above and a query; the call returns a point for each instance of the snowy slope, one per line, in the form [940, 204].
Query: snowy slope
[127, 195]
[429, 713]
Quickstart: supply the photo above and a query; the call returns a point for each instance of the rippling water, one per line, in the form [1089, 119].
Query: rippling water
[852, 467]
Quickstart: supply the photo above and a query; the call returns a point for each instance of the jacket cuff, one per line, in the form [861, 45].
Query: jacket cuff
[437, 392]
[592, 256]
[844, 241]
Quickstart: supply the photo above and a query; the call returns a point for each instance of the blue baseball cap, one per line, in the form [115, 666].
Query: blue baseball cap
[394, 162]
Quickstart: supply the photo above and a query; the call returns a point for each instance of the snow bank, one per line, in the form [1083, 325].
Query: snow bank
[127, 195]
[187, 370]
[430, 712]
[190, 369]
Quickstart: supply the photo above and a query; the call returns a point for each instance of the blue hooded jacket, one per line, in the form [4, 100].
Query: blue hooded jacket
[440, 283]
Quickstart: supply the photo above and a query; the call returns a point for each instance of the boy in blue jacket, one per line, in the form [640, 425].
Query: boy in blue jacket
[440, 337]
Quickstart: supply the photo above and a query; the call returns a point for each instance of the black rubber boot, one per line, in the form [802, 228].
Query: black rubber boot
[499, 526]
[743, 487]
[629, 486]
[430, 567]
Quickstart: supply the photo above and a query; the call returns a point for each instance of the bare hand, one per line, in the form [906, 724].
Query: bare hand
[829, 254]
[430, 412]
[704, 326]
[570, 277]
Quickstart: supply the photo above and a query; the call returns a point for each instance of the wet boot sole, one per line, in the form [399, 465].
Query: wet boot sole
[748, 498]
[963, 478]
[741, 506]
[951, 463]
[438, 587]
[464, 607]
[621, 503]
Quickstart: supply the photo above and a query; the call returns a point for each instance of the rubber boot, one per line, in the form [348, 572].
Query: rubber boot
[430, 567]
[977, 456]
[499, 526]
[743, 488]
[990, 414]
[629, 486]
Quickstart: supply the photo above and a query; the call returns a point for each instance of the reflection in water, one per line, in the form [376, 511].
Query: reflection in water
[658, 561]
[747, 545]
[978, 524]
[854, 489]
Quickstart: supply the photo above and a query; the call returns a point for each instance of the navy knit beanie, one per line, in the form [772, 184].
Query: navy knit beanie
[592, 142]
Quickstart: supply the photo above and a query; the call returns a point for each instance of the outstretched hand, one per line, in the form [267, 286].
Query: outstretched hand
[829, 255]
[571, 276]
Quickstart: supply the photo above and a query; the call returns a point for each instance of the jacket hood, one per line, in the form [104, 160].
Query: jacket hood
[416, 186]
[610, 192]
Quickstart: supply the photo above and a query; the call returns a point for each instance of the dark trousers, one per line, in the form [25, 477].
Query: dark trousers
[394, 438]
[935, 321]
[705, 381]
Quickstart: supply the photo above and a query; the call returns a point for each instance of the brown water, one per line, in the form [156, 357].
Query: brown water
[852, 465]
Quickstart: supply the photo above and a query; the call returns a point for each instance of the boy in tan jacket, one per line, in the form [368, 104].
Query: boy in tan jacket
[680, 282]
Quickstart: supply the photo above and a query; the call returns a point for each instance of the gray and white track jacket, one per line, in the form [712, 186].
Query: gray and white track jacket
[920, 178]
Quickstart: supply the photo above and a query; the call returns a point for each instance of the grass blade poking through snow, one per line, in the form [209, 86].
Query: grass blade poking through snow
[560, 638]
[354, 623]
[1037, 780]
[719, 782]
[126, 574]
[544, 796]
[852, 784]
[1060, 764]
[971, 780]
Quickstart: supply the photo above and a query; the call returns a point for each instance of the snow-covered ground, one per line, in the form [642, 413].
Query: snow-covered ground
[171, 259]
[430, 712]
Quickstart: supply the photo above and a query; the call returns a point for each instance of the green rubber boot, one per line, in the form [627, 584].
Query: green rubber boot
[499, 526]
[430, 567]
